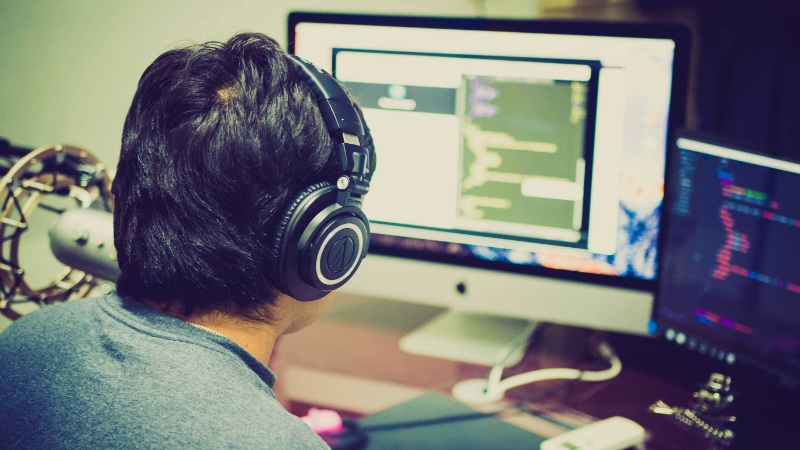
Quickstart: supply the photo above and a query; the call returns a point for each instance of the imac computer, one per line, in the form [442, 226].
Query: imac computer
[729, 283]
[520, 167]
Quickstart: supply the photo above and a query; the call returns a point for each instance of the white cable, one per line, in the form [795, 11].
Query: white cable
[494, 388]
[496, 374]
[566, 374]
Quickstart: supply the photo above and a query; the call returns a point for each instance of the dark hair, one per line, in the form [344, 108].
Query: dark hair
[217, 138]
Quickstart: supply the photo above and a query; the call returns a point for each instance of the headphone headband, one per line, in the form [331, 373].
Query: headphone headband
[344, 125]
[334, 103]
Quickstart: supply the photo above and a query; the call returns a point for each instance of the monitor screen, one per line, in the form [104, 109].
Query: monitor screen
[729, 286]
[523, 159]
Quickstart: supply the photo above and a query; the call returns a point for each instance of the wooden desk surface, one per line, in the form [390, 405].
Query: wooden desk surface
[349, 360]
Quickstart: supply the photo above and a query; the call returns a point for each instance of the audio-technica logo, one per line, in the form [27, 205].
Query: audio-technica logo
[341, 254]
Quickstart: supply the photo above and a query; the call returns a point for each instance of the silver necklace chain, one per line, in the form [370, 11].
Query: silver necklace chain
[206, 329]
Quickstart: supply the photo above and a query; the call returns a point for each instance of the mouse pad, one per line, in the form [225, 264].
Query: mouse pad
[425, 422]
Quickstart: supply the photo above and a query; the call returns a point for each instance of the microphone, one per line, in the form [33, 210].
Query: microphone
[83, 238]
[45, 179]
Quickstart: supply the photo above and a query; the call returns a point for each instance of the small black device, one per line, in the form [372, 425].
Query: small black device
[351, 437]
[322, 235]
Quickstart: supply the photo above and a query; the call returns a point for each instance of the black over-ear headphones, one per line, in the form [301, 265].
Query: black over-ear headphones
[323, 235]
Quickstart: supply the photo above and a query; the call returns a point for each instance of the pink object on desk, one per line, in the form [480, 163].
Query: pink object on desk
[323, 421]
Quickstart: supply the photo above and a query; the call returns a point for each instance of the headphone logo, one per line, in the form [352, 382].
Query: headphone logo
[341, 254]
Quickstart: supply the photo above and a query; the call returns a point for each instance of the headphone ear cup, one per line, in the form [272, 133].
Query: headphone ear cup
[283, 221]
[318, 243]
[337, 248]
[279, 236]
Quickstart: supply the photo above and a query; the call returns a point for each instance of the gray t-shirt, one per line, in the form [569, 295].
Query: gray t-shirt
[110, 372]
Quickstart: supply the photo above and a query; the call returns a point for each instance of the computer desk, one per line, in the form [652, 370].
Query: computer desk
[349, 361]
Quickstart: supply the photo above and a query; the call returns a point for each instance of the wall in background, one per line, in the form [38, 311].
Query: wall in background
[69, 69]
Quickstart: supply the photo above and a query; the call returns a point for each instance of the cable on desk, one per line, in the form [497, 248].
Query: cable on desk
[564, 374]
[494, 387]
[523, 405]
[440, 420]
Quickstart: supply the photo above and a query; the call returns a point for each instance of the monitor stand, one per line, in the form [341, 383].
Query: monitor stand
[471, 337]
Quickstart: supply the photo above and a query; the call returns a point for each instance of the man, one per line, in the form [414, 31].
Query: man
[219, 139]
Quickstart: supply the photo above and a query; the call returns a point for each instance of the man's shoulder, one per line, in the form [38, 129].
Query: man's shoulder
[122, 383]
[50, 318]
[164, 418]
[259, 422]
